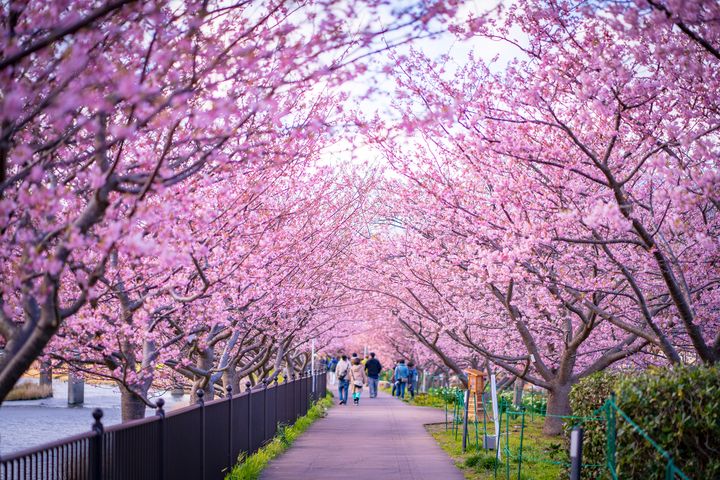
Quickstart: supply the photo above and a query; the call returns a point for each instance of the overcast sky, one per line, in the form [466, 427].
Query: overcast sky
[442, 44]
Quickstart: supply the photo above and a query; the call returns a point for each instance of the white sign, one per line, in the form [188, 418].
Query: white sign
[496, 414]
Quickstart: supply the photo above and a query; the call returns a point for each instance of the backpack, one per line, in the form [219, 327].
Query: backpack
[343, 375]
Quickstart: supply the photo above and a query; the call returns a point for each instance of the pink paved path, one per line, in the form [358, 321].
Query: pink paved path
[382, 439]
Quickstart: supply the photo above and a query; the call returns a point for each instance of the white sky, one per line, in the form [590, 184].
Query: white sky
[443, 44]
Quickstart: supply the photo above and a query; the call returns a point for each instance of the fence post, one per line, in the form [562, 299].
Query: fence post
[97, 445]
[465, 419]
[522, 432]
[265, 409]
[248, 389]
[670, 469]
[294, 409]
[576, 444]
[201, 400]
[611, 435]
[276, 402]
[161, 437]
[228, 391]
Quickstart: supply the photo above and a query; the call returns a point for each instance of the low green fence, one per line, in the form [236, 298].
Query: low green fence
[514, 422]
[612, 412]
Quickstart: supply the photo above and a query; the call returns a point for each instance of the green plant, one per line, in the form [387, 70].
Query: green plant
[481, 461]
[446, 394]
[282, 436]
[473, 460]
[478, 464]
[486, 462]
[679, 409]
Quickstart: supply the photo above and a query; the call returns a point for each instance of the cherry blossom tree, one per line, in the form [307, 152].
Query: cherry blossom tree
[112, 112]
[559, 215]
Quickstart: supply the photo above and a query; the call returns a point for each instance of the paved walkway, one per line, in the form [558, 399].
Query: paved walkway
[382, 439]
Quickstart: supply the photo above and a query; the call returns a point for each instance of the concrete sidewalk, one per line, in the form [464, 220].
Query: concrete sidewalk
[381, 439]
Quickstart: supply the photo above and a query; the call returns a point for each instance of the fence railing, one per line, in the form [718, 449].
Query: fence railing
[513, 421]
[201, 441]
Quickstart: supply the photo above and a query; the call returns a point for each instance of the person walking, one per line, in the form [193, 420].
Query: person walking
[342, 370]
[394, 380]
[412, 379]
[401, 377]
[357, 379]
[331, 367]
[373, 369]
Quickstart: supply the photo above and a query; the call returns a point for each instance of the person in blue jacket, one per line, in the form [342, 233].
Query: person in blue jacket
[402, 374]
[412, 379]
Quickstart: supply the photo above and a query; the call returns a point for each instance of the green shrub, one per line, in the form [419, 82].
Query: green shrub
[586, 397]
[446, 394]
[486, 462]
[473, 460]
[531, 402]
[481, 461]
[680, 409]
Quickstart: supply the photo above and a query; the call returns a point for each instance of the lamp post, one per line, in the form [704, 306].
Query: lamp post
[312, 364]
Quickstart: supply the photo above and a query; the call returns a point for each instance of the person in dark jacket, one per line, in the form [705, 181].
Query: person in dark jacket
[373, 369]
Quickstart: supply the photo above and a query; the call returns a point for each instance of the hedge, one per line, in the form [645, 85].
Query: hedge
[679, 409]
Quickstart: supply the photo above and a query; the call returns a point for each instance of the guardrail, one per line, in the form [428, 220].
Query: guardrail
[201, 441]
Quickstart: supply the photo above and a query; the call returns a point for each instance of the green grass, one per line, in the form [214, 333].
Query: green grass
[420, 400]
[426, 400]
[249, 468]
[542, 454]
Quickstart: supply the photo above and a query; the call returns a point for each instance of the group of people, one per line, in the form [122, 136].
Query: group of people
[351, 374]
[404, 377]
[355, 373]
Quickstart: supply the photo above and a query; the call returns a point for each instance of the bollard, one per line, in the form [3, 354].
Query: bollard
[576, 441]
[228, 391]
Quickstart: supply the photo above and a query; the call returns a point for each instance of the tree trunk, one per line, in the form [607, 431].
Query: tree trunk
[132, 406]
[230, 378]
[558, 405]
[518, 392]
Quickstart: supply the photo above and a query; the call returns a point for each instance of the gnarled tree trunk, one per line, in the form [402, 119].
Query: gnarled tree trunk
[558, 405]
[132, 406]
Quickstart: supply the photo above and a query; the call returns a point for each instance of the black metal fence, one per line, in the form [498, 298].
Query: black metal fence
[201, 441]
